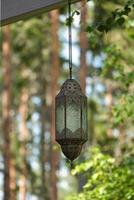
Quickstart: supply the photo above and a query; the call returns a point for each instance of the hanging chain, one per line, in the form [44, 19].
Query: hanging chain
[70, 37]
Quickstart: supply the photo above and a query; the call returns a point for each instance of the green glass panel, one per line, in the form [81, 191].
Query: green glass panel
[60, 124]
[73, 117]
[84, 115]
[84, 119]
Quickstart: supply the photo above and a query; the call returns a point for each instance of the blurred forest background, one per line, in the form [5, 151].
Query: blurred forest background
[33, 65]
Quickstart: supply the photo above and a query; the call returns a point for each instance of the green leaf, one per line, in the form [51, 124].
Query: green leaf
[126, 11]
[109, 20]
[77, 12]
[101, 28]
[89, 29]
[69, 21]
[121, 21]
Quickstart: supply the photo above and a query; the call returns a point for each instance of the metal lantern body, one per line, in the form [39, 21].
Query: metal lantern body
[71, 119]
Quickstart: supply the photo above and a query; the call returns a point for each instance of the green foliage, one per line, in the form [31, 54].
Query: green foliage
[117, 17]
[124, 111]
[107, 179]
[116, 68]
[112, 61]
[70, 19]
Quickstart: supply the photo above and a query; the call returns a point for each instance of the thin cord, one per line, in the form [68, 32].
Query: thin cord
[70, 37]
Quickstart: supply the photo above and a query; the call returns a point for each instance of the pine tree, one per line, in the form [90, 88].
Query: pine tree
[54, 17]
[9, 165]
[23, 109]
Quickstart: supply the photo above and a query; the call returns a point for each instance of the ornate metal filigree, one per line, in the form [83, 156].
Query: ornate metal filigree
[71, 86]
[71, 118]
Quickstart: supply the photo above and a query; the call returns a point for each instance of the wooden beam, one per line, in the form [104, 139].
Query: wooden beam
[15, 10]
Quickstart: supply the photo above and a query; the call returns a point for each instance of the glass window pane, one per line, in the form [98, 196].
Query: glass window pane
[84, 116]
[73, 117]
[84, 119]
[60, 124]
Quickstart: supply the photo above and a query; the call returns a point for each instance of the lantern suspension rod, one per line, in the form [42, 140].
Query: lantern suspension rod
[70, 37]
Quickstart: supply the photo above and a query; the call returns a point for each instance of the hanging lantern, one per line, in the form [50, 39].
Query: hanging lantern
[71, 119]
[71, 111]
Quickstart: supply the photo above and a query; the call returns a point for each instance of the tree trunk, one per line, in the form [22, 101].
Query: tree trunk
[13, 176]
[44, 183]
[54, 15]
[9, 171]
[83, 66]
[121, 141]
[109, 102]
[83, 47]
[6, 110]
[23, 148]
[42, 150]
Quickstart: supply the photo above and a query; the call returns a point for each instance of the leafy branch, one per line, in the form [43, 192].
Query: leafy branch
[117, 17]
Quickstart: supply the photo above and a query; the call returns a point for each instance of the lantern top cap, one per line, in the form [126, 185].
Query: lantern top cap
[71, 87]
